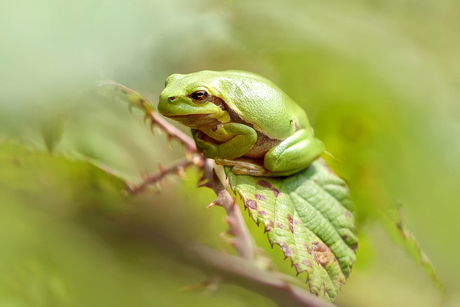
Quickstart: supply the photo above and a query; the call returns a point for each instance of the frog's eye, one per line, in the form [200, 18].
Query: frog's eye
[200, 95]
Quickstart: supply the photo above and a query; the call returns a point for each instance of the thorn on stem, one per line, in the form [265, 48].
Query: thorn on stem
[159, 185]
[205, 184]
[146, 117]
[152, 126]
[188, 155]
[180, 172]
[199, 286]
[231, 241]
[159, 131]
[197, 160]
[168, 141]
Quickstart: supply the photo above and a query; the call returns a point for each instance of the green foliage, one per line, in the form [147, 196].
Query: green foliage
[64, 235]
[393, 223]
[378, 79]
[309, 215]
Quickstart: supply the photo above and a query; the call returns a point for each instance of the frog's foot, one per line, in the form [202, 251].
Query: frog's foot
[241, 170]
[243, 166]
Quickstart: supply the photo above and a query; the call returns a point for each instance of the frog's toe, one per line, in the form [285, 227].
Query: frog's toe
[241, 170]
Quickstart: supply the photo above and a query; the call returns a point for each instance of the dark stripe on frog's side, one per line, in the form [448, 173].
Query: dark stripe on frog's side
[263, 144]
[196, 121]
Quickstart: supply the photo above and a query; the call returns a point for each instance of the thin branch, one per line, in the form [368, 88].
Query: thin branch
[242, 240]
[172, 132]
[176, 168]
[242, 272]
[135, 99]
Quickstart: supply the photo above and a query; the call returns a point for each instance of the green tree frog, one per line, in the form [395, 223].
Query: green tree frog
[243, 120]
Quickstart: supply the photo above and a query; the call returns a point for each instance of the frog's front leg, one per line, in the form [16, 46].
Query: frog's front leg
[293, 154]
[228, 141]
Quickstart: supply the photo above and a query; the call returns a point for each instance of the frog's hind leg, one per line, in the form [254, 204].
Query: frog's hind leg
[293, 154]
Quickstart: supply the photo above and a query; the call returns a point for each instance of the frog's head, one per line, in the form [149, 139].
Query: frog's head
[193, 99]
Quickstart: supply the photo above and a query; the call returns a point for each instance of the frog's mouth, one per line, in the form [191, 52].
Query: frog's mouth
[197, 120]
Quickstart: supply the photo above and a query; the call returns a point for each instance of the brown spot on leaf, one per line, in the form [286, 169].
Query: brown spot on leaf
[344, 237]
[308, 248]
[281, 226]
[275, 192]
[291, 228]
[270, 223]
[289, 217]
[307, 263]
[259, 197]
[267, 228]
[264, 184]
[319, 246]
[321, 253]
[287, 250]
[296, 266]
[263, 213]
[354, 247]
[251, 204]
[268, 185]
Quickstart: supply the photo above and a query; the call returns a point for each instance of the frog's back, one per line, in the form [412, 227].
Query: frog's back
[262, 103]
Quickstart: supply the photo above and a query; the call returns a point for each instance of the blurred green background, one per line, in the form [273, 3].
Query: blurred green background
[380, 81]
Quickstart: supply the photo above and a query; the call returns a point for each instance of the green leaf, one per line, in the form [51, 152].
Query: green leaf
[309, 215]
[394, 225]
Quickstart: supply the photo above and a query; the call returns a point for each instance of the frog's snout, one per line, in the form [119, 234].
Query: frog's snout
[168, 103]
[167, 97]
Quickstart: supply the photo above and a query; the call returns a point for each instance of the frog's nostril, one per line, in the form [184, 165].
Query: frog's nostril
[171, 99]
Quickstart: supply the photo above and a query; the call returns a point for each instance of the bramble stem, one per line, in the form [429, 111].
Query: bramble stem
[177, 168]
[242, 272]
[173, 132]
[242, 240]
